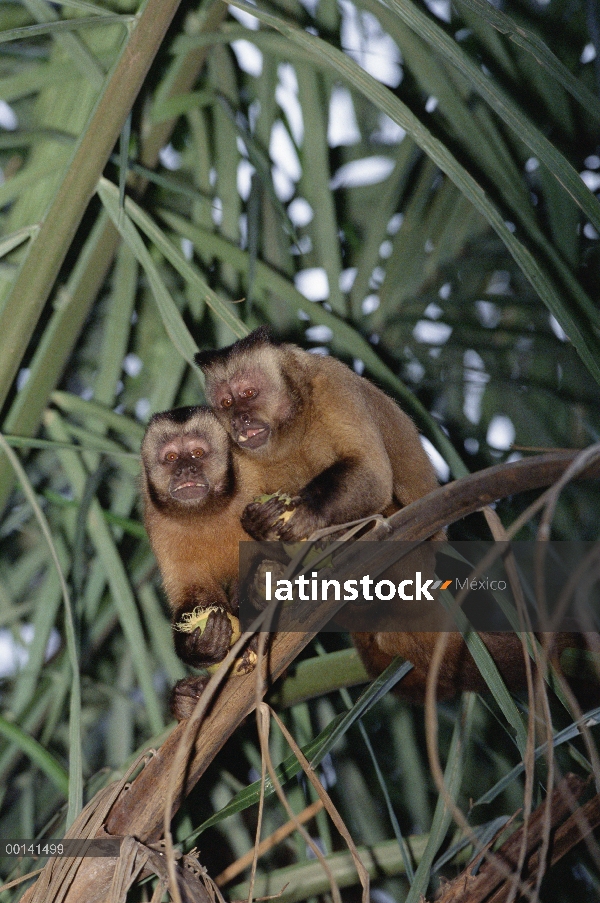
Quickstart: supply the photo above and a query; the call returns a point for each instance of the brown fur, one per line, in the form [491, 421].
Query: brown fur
[343, 450]
[337, 443]
[458, 670]
[195, 540]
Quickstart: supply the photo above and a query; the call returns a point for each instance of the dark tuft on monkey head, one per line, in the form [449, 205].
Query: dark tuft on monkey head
[186, 455]
[256, 387]
[261, 336]
[180, 415]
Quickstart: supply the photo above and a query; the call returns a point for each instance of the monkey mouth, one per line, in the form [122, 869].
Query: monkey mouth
[190, 491]
[253, 437]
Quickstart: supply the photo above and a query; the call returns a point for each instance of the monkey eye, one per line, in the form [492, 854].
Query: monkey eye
[227, 401]
[171, 457]
[249, 393]
[197, 452]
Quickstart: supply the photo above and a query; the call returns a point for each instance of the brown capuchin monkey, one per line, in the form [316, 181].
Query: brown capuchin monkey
[309, 426]
[192, 511]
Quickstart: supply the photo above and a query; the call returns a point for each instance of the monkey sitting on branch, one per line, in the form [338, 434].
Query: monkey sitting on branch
[308, 425]
[332, 448]
[192, 508]
[329, 446]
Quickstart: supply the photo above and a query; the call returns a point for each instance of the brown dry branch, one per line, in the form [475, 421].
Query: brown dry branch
[108, 879]
[431, 716]
[583, 463]
[500, 535]
[567, 829]
[336, 818]
[264, 724]
[462, 497]
[138, 810]
[241, 864]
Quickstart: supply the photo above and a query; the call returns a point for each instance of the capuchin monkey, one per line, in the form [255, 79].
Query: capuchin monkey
[308, 426]
[192, 510]
[341, 449]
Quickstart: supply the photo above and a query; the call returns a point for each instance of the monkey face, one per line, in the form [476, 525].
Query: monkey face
[252, 403]
[240, 400]
[248, 391]
[181, 457]
[186, 457]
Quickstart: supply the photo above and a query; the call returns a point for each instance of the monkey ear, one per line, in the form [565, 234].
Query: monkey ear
[261, 336]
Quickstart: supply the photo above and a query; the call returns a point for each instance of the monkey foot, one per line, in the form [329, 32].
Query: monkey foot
[185, 694]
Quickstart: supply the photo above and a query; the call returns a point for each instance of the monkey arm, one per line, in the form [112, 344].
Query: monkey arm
[347, 490]
[207, 645]
[346, 451]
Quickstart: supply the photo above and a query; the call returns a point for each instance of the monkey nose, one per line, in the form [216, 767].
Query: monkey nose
[245, 419]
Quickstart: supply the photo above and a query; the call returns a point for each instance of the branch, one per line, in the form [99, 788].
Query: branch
[568, 827]
[138, 811]
[456, 500]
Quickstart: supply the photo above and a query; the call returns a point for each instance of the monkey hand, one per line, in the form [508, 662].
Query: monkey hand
[277, 570]
[209, 643]
[185, 694]
[276, 517]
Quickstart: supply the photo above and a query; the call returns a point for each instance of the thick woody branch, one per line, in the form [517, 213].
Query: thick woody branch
[456, 500]
[139, 810]
[569, 827]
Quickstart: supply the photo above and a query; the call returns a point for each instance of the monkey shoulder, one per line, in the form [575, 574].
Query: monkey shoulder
[336, 385]
[345, 408]
[364, 422]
